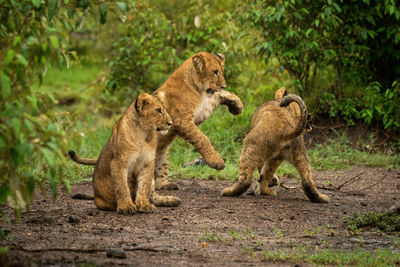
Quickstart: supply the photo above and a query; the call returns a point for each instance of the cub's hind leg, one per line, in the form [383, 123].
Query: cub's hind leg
[103, 205]
[249, 160]
[268, 177]
[161, 163]
[302, 163]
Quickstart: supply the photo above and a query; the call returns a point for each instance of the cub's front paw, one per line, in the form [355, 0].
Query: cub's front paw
[217, 163]
[128, 208]
[234, 104]
[147, 208]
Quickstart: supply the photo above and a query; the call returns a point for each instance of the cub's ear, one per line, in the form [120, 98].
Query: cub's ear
[199, 63]
[220, 57]
[280, 93]
[142, 101]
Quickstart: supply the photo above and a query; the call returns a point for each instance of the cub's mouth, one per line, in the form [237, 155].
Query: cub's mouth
[162, 130]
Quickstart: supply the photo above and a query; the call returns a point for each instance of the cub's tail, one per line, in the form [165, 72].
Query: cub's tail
[164, 201]
[80, 160]
[303, 113]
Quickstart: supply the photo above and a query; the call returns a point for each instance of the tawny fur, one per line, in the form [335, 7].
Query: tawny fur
[190, 95]
[122, 179]
[276, 134]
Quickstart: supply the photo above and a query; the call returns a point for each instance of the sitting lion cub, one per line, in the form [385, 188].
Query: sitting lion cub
[276, 134]
[124, 170]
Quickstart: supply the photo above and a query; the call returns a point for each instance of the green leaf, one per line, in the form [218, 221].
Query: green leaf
[54, 41]
[103, 13]
[48, 155]
[10, 56]
[2, 143]
[364, 35]
[53, 5]
[16, 124]
[22, 60]
[4, 192]
[5, 85]
[316, 22]
[66, 2]
[122, 6]
[37, 3]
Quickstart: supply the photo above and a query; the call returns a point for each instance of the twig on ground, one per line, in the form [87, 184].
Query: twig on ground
[372, 185]
[353, 179]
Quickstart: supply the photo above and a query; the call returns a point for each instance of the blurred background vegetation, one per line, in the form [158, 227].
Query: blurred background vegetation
[69, 68]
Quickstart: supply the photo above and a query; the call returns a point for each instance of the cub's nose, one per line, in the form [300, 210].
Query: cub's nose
[169, 123]
[223, 87]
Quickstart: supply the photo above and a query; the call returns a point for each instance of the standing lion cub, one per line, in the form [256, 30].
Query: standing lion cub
[124, 170]
[276, 134]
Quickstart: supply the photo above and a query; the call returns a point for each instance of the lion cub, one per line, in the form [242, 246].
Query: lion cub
[276, 134]
[124, 169]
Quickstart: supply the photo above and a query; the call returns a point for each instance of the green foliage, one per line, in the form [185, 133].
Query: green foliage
[34, 36]
[359, 257]
[387, 222]
[337, 51]
[154, 41]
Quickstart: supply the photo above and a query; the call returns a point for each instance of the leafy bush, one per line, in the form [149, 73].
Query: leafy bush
[34, 36]
[155, 40]
[344, 55]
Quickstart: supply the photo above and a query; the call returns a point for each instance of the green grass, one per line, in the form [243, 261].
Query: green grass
[358, 257]
[226, 133]
[386, 222]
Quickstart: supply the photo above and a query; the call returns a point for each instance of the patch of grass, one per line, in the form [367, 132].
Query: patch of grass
[338, 154]
[70, 80]
[359, 257]
[211, 237]
[278, 232]
[91, 146]
[313, 232]
[225, 131]
[386, 222]
[235, 234]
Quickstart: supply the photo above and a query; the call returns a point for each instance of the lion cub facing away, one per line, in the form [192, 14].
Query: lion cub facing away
[276, 134]
[124, 169]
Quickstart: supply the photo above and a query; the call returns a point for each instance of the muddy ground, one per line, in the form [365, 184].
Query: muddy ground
[206, 229]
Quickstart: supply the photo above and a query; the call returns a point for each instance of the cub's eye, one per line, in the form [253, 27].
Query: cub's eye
[159, 110]
[216, 72]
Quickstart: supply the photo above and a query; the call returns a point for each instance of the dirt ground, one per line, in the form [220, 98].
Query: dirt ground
[206, 229]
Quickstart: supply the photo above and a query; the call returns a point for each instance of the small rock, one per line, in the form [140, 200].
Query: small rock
[230, 211]
[363, 204]
[336, 204]
[292, 217]
[73, 220]
[395, 208]
[165, 218]
[116, 253]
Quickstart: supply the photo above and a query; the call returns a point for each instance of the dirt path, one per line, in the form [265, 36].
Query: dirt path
[206, 229]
